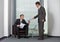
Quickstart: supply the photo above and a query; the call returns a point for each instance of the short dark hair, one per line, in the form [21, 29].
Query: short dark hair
[38, 3]
[21, 15]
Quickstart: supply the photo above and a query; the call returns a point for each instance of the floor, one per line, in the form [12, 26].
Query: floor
[34, 39]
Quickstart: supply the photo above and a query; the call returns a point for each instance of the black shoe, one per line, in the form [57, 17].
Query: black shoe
[40, 38]
[26, 37]
[18, 37]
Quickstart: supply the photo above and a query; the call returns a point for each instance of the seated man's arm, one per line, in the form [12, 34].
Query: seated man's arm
[26, 22]
[16, 23]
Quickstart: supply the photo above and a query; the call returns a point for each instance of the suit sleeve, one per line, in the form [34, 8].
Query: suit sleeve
[16, 22]
[35, 16]
[26, 22]
[44, 14]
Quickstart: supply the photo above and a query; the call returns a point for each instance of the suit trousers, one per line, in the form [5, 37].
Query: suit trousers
[41, 29]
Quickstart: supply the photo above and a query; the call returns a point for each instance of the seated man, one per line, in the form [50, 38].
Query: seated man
[18, 24]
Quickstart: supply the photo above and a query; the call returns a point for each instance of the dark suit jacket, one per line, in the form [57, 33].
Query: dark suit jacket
[18, 22]
[41, 14]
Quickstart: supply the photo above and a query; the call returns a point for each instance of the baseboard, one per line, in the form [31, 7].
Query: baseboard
[53, 36]
[29, 36]
[38, 36]
[9, 36]
[5, 37]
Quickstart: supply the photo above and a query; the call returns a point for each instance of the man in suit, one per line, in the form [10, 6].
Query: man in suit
[18, 22]
[41, 19]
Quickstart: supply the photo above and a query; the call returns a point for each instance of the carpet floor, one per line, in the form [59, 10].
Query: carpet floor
[34, 39]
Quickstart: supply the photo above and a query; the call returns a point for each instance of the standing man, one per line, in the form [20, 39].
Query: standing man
[41, 19]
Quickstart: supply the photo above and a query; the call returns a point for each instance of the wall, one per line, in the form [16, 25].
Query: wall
[13, 13]
[9, 16]
[46, 23]
[5, 17]
[54, 17]
[42, 2]
[1, 18]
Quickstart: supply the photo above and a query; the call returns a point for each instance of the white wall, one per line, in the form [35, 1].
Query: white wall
[54, 17]
[46, 23]
[13, 13]
[5, 17]
[9, 16]
[1, 18]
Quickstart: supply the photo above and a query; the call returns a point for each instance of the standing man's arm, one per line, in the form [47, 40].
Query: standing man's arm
[35, 16]
[44, 14]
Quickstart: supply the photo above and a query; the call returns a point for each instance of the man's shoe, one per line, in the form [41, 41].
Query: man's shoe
[26, 37]
[18, 37]
[40, 38]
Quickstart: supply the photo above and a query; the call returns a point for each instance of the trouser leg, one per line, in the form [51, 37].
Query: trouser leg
[41, 30]
[18, 34]
[26, 31]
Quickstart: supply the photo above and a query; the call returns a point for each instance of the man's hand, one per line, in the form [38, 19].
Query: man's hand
[33, 18]
[18, 25]
[28, 21]
[42, 20]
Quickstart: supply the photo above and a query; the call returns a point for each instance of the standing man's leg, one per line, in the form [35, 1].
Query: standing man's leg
[41, 30]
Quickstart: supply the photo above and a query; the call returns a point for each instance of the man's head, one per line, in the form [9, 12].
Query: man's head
[21, 16]
[37, 4]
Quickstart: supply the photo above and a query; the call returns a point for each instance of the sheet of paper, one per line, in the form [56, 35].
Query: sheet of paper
[22, 25]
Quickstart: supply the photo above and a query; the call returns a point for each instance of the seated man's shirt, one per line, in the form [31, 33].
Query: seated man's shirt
[22, 25]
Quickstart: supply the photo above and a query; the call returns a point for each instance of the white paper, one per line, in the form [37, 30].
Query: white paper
[22, 25]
